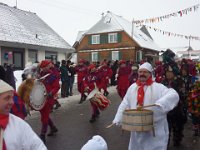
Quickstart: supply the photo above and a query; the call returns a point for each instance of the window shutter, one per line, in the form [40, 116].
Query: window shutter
[119, 37]
[103, 38]
[120, 55]
[110, 55]
[90, 39]
[98, 56]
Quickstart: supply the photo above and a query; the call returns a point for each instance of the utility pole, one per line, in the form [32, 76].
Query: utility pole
[16, 3]
[189, 47]
[132, 28]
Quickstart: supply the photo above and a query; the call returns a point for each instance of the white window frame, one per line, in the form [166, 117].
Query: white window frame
[115, 55]
[94, 56]
[95, 39]
[112, 38]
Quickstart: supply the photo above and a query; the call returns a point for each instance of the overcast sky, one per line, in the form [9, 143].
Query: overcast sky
[67, 17]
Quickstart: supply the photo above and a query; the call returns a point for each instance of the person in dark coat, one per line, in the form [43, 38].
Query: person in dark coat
[64, 79]
[10, 78]
[2, 73]
[114, 68]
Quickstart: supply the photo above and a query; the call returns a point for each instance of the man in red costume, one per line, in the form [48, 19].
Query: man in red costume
[51, 83]
[81, 70]
[89, 83]
[123, 78]
[106, 74]
[159, 72]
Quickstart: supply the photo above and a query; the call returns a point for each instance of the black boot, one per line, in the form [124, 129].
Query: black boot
[93, 119]
[97, 113]
[83, 98]
[43, 138]
[196, 132]
[53, 130]
[57, 105]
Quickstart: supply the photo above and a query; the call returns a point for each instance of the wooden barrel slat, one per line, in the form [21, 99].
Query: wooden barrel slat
[137, 120]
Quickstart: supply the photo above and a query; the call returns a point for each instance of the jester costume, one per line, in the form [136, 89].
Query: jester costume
[194, 107]
[52, 85]
[177, 117]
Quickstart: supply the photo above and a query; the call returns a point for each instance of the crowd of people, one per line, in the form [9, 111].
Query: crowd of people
[172, 86]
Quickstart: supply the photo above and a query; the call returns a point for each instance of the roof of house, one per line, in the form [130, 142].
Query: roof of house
[113, 23]
[179, 49]
[23, 27]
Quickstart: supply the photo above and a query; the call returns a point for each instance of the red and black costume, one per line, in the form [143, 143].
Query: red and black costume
[52, 85]
[89, 83]
[81, 70]
[106, 74]
[123, 79]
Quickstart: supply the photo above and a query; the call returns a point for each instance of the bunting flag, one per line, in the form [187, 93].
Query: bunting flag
[172, 34]
[161, 18]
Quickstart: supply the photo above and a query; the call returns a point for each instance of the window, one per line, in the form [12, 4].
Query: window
[115, 55]
[32, 56]
[95, 39]
[112, 38]
[94, 56]
[51, 56]
[138, 56]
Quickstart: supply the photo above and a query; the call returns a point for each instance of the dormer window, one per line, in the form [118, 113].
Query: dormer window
[112, 38]
[95, 39]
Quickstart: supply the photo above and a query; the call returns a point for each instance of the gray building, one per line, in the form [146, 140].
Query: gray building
[25, 37]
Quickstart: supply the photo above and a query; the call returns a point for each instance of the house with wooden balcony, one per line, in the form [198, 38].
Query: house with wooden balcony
[115, 38]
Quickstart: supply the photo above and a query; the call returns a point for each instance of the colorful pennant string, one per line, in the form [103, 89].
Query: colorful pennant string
[161, 18]
[171, 33]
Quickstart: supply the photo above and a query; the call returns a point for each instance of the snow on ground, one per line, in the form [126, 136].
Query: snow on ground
[18, 76]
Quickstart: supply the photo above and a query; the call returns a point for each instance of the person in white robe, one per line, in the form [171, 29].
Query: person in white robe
[15, 133]
[165, 99]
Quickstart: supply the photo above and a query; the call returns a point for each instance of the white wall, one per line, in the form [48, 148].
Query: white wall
[26, 56]
[61, 56]
[41, 55]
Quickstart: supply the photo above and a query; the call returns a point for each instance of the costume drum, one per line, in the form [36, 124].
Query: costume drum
[38, 95]
[137, 120]
[98, 99]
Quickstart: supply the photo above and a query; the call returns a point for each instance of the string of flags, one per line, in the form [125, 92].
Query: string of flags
[172, 34]
[175, 14]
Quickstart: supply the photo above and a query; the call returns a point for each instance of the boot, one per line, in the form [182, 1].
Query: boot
[83, 98]
[93, 119]
[97, 113]
[57, 106]
[53, 130]
[196, 132]
[43, 138]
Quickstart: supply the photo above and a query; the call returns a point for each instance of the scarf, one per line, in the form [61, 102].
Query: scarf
[3, 123]
[140, 96]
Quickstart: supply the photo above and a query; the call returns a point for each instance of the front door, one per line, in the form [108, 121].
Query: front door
[18, 60]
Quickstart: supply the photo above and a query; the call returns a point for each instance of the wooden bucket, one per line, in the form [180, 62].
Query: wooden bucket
[137, 120]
